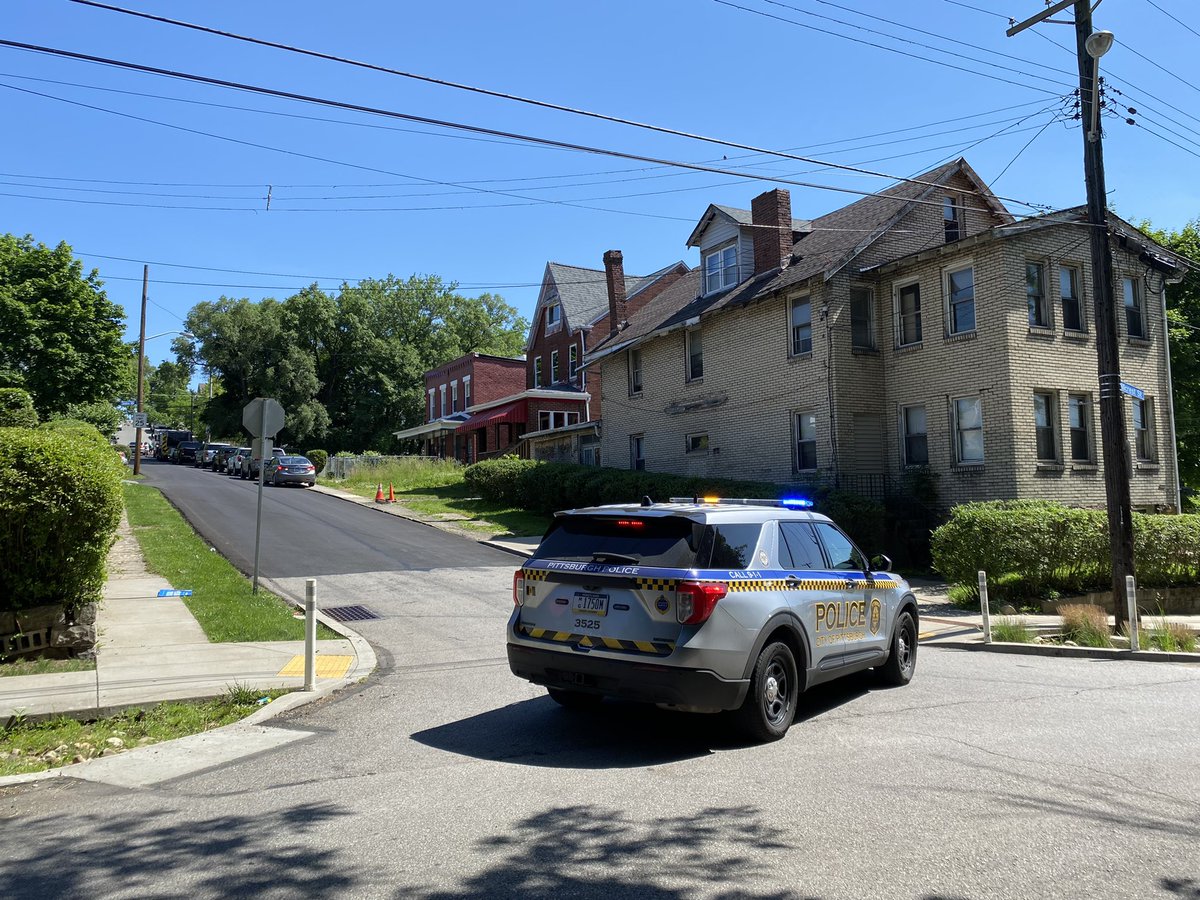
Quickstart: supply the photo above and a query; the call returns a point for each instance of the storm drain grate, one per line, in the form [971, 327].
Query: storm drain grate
[350, 613]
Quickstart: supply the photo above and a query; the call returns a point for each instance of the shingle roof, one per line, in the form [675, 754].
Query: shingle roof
[583, 293]
[741, 216]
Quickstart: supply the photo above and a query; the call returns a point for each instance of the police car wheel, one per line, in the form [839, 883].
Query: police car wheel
[902, 661]
[770, 705]
[574, 699]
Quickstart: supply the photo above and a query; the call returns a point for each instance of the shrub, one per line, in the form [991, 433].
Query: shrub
[16, 409]
[1084, 624]
[498, 480]
[60, 502]
[318, 458]
[104, 416]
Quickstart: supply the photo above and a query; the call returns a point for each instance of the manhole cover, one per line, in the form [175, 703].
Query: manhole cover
[349, 613]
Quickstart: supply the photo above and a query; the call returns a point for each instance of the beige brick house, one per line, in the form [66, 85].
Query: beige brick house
[919, 329]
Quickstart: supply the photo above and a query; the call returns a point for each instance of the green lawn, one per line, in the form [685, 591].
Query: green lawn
[45, 666]
[222, 601]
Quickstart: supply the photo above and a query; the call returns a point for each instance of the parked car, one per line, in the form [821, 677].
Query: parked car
[204, 458]
[186, 452]
[290, 470]
[217, 464]
[233, 462]
[249, 465]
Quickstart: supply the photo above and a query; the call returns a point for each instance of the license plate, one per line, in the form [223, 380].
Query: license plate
[589, 604]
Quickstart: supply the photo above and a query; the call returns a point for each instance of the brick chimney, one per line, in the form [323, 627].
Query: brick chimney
[773, 241]
[614, 275]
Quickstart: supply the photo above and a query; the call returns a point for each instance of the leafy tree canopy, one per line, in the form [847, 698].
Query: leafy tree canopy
[60, 336]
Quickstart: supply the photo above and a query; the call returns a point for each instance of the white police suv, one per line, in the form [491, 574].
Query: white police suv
[706, 604]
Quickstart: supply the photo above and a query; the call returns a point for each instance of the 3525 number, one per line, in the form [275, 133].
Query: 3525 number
[588, 624]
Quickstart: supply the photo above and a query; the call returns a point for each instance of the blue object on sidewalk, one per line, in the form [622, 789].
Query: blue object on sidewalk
[166, 593]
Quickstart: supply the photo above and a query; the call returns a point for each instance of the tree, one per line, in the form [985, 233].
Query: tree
[105, 417]
[16, 409]
[167, 398]
[60, 335]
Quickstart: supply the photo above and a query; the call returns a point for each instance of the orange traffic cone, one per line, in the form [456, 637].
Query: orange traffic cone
[379, 494]
[391, 493]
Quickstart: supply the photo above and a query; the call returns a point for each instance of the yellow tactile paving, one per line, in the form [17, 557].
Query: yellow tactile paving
[327, 667]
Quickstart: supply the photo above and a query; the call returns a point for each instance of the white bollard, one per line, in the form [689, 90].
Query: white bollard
[1131, 600]
[983, 605]
[310, 634]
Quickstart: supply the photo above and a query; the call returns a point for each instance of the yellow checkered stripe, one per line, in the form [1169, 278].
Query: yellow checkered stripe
[648, 648]
[534, 574]
[805, 584]
[656, 584]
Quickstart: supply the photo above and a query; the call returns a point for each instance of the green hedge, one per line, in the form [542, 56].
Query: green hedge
[319, 458]
[1035, 548]
[16, 409]
[60, 502]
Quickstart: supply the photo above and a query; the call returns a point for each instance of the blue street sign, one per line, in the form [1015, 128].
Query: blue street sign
[1136, 392]
[165, 593]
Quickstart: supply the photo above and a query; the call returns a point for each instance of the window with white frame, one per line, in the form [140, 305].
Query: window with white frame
[862, 319]
[801, 326]
[696, 443]
[1135, 312]
[442, 390]
[1068, 292]
[968, 431]
[960, 300]
[637, 451]
[553, 315]
[635, 371]
[1035, 295]
[695, 354]
[1143, 428]
[466, 391]
[916, 440]
[1045, 419]
[431, 416]
[548, 419]
[806, 441]
[908, 314]
[537, 371]
[572, 362]
[952, 219]
[554, 367]
[454, 396]
[1079, 413]
[720, 269]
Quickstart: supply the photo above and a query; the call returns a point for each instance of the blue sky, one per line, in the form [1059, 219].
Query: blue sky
[377, 201]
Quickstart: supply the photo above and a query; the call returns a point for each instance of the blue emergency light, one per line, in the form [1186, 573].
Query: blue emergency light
[796, 503]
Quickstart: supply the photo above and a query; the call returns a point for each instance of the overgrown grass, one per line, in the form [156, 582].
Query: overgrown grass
[59, 742]
[1012, 631]
[1086, 625]
[1170, 637]
[45, 666]
[405, 474]
[222, 601]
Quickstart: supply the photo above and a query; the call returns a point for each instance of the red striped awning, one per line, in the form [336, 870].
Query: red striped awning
[517, 411]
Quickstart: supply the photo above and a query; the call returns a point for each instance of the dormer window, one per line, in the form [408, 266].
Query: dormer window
[952, 219]
[553, 315]
[720, 269]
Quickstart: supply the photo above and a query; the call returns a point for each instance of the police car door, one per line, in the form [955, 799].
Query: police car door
[812, 594]
[863, 618]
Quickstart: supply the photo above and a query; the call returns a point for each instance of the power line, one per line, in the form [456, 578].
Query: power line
[1178, 21]
[1023, 149]
[1156, 65]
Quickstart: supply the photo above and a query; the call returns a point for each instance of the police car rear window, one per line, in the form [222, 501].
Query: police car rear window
[728, 546]
[663, 541]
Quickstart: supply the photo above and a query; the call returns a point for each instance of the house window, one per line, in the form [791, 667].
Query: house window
[553, 315]
[916, 446]
[572, 362]
[695, 354]
[801, 326]
[1143, 428]
[1135, 313]
[537, 371]
[862, 319]
[637, 451]
[635, 372]
[960, 294]
[1035, 295]
[442, 389]
[720, 269]
[588, 455]
[968, 431]
[431, 404]
[806, 442]
[554, 367]
[952, 219]
[1079, 410]
[1043, 425]
[549, 419]
[1068, 289]
[909, 313]
[454, 396]
[466, 391]
[696, 443]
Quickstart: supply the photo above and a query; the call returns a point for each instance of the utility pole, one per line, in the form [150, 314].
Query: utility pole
[1090, 47]
[137, 451]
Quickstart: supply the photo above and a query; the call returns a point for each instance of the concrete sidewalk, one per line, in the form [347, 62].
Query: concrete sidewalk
[152, 649]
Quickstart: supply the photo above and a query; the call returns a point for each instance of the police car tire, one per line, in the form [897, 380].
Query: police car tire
[902, 662]
[754, 716]
[574, 699]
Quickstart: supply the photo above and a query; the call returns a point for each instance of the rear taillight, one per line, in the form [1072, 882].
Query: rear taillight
[310, 468]
[518, 587]
[696, 600]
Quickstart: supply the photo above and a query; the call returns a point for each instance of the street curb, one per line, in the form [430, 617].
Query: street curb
[1069, 652]
[495, 545]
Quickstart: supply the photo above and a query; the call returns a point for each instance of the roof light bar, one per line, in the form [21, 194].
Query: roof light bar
[786, 502]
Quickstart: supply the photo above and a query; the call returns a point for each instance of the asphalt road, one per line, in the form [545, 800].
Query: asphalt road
[444, 777]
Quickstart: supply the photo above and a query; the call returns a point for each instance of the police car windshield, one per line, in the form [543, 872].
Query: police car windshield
[662, 541]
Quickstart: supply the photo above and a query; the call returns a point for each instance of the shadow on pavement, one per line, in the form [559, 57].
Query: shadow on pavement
[229, 856]
[1181, 887]
[615, 735]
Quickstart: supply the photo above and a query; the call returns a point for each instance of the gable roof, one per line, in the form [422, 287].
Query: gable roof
[735, 215]
[582, 292]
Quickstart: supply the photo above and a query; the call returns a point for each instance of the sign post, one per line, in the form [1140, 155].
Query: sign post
[262, 417]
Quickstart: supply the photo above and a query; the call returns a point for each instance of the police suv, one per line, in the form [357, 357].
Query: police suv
[705, 604]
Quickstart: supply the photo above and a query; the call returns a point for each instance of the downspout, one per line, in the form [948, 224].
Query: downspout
[1171, 401]
[833, 443]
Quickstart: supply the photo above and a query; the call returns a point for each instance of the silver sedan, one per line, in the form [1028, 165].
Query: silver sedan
[290, 470]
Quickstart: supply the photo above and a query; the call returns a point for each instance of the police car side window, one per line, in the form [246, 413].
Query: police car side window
[842, 554]
[728, 546]
[802, 544]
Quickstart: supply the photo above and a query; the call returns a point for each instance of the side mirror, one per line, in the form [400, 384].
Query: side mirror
[881, 562]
